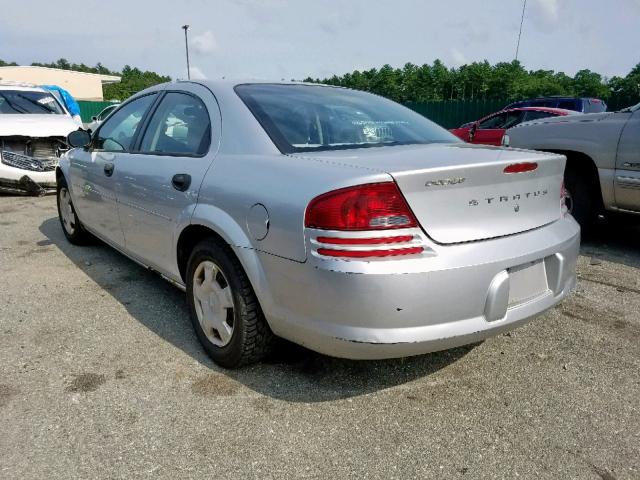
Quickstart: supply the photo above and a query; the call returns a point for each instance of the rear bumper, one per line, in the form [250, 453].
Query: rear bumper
[453, 298]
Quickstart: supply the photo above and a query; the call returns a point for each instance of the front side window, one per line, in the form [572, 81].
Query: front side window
[493, 122]
[179, 126]
[511, 119]
[117, 132]
[537, 115]
[301, 118]
[29, 102]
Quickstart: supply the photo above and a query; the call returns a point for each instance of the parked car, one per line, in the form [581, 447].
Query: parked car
[96, 120]
[334, 218]
[603, 158]
[582, 105]
[33, 131]
[66, 99]
[489, 130]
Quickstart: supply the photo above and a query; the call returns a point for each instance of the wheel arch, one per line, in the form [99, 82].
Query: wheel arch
[232, 236]
[584, 165]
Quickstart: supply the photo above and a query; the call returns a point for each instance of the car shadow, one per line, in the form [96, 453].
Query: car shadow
[614, 239]
[292, 373]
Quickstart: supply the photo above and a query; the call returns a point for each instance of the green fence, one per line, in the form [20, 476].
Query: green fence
[89, 109]
[447, 113]
[453, 113]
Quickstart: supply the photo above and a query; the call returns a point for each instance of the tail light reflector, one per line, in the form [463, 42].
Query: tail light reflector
[369, 253]
[521, 167]
[374, 206]
[365, 241]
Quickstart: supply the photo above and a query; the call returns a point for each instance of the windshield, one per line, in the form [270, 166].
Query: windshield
[28, 102]
[301, 118]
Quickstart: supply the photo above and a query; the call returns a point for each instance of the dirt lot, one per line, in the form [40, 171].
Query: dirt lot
[102, 377]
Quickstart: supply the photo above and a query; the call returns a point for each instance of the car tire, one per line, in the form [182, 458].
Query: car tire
[225, 311]
[72, 227]
[582, 198]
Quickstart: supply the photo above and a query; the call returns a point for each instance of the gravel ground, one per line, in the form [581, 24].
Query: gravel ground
[101, 376]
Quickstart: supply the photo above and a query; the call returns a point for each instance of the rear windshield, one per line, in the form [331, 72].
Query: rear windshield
[594, 105]
[29, 102]
[301, 118]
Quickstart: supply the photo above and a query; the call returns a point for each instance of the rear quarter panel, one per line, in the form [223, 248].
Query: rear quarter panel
[283, 184]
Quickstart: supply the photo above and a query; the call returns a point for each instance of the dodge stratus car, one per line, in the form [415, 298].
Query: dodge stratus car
[333, 218]
[33, 131]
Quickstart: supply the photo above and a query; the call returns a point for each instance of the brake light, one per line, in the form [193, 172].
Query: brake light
[374, 206]
[521, 167]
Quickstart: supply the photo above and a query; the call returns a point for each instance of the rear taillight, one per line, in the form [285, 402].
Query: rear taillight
[363, 208]
[374, 206]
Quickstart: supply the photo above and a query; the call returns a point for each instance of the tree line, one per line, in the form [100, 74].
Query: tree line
[425, 83]
[481, 80]
[132, 79]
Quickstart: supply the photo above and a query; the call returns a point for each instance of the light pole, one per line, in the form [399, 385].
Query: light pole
[186, 47]
[524, 5]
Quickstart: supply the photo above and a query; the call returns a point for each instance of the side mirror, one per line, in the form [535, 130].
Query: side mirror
[79, 138]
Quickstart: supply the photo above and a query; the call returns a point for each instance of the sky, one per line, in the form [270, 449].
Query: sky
[293, 39]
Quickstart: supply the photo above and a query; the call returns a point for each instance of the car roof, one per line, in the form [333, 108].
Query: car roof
[23, 87]
[559, 111]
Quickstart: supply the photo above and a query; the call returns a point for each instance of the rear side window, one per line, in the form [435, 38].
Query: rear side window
[180, 126]
[301, 118]
[594, 105]
[117, 132]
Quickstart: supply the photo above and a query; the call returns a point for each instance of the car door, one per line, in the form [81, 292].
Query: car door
[92, 170]
[627, 178]
[158, 184]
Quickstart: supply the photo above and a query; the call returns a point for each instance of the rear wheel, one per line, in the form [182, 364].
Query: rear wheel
[71, 225]
[225, 312]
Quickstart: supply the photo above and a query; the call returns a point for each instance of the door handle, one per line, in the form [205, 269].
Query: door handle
[108, 169]
[181, 181]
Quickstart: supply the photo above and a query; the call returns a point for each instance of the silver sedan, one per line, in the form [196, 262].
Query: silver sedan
[333, 218]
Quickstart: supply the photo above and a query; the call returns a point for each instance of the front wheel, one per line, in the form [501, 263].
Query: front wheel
[71, 225]
[225, 312]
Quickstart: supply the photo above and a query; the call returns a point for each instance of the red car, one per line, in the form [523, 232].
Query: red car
[490, 129]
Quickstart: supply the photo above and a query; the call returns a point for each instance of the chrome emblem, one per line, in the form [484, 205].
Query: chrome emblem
[509, 198]
[445, 181]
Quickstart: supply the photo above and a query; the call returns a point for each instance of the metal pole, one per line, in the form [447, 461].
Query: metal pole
[524, 5]
[186, 47]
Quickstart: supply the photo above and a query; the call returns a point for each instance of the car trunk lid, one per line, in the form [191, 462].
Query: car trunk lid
[461, 193]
